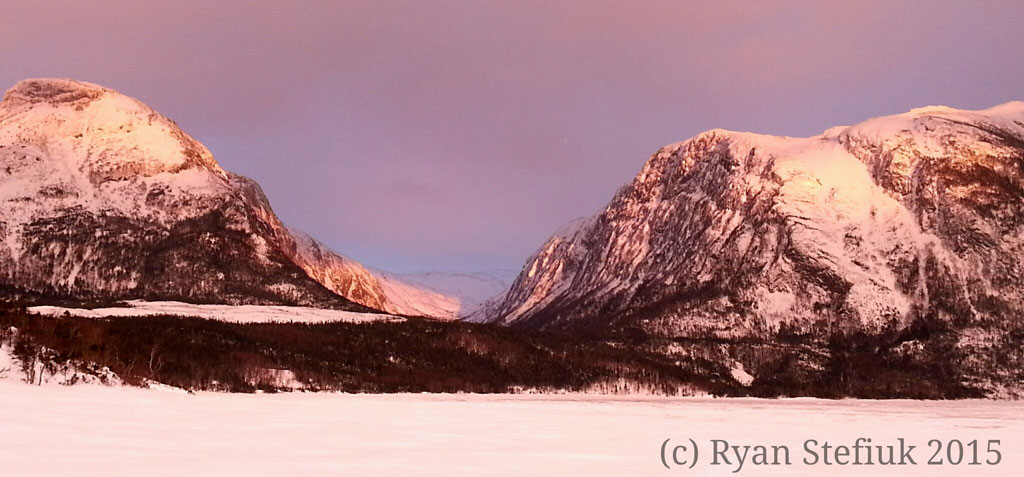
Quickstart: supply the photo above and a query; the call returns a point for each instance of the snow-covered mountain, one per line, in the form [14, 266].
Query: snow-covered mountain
[104, 198]
[339, 273]
[897, 218]
[440, 294]
[876, 259]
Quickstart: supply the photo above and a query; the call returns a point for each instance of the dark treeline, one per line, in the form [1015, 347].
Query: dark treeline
[919, 361]
[922, 361]
[416, 355]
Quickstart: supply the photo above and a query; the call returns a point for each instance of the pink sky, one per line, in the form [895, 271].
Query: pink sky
[458, 135]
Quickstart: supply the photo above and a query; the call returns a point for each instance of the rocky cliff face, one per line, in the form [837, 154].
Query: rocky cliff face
[104, 198]
[340, 274]
[875, 228]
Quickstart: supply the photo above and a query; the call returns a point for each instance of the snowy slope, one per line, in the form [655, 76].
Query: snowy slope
[914, 215]
[472, 289]
[76, 144]
[410, 298]
[228, 313]
[339, 273]
[440, 294]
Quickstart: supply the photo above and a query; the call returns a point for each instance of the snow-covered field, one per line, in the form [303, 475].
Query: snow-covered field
[93, 430]
[229, 313]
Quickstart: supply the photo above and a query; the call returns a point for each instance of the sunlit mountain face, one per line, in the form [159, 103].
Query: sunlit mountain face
[908, 227]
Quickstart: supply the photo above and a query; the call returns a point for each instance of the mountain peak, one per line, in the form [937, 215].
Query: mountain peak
[1007, 110]
[53, 90]
[935, 108]
[83, 128]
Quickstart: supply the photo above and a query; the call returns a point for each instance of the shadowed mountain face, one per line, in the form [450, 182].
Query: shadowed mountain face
[902, 221]
[104, 198]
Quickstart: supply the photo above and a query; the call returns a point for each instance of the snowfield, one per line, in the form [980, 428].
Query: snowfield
[229, 313]
[97, 430]
[440, 294]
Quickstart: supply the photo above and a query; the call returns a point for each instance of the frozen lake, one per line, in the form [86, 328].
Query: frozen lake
[94, 430]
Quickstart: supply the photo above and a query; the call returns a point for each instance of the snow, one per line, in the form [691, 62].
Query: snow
[831, 196]
[409, 298]
[339, 273]
[440, 294]
[740, 374]
[95, 430]
[228, 313]
[9, 366]
[68, 372]
[100, 152]
[923, 132]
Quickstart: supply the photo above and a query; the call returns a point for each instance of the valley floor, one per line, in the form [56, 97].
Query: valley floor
[227, 313]
[93, 430]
